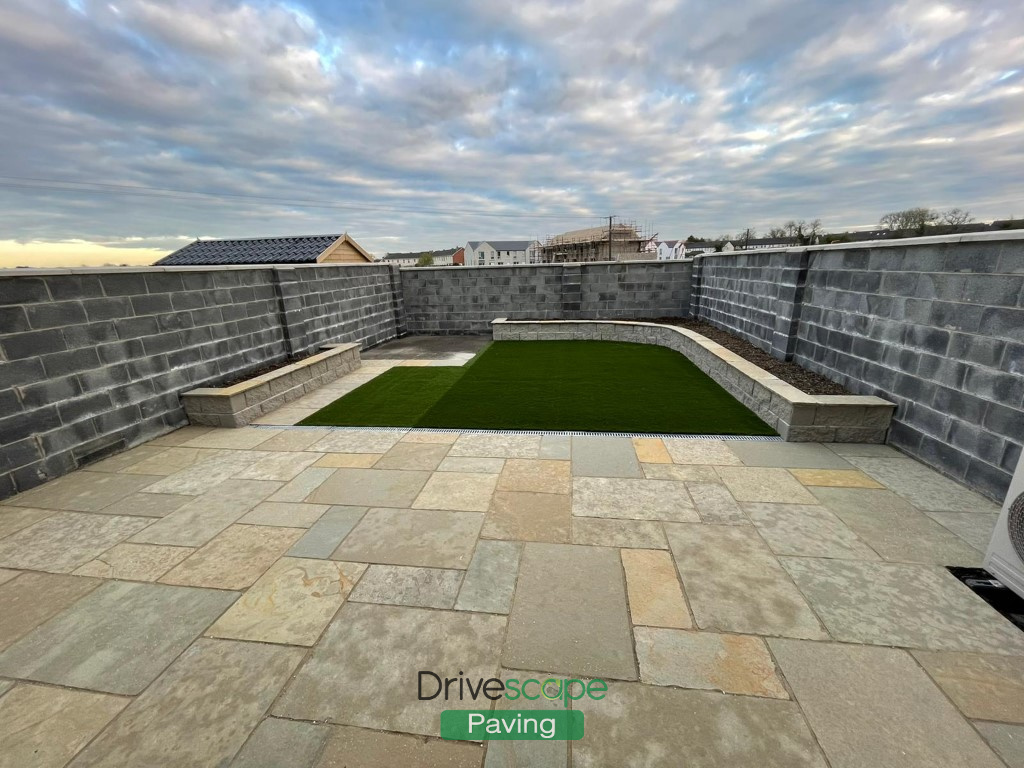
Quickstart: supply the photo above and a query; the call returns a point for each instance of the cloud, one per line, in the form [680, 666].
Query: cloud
[424, 117]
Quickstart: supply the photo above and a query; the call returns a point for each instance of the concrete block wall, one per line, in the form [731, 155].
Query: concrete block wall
[464, 300]
[93, 361]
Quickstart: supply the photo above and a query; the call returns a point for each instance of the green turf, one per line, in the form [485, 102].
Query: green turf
[593, 386]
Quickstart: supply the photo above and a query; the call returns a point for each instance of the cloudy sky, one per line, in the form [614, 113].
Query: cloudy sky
[420, 124]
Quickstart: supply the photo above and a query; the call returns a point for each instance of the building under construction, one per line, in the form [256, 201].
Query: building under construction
[615, 242]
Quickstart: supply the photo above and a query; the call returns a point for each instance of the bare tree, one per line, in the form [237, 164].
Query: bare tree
[746, 235]
[955, 217]
[912, 218]
[812, 230]
[777, 232]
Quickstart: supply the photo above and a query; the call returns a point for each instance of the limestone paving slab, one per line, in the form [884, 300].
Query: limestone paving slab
[651, 450]
[235, 558]
[285, 514]
[713, 452]
[772, 454]
[13, 519]
[291, 603]
[835, 478]
[409, 585]
[632, 499]
[83, 491]
[278, 465]
[555, 447]
[44, 727]
[655, 595]
[140, 628]
[569, 614]
[764, 484]
[200, 711]
[715, 504]
[302, 486]
[198, 478]
[471, 464]
[490, 580]
[707, 660]
[609, 532]
[194, 524]
[244, 438]
[324, 536]
[735, 584]
[535, 476]
[358, 460]
[697, 473]
[806, 530]
[276, 743]
[842, 500]
[348, 747]
[982, 686]
[294, 439]
[466, 492]
[864, 449]
[147, 505]
[521, 752]
[923, 487]
[440, 438]
[1006, 740]
[121, 461]
[973, 527]
[371, 487]
[7, 574]
[364, 670]
[705, 728]
[888, 711]
[134, 562]
[914, 606]
[495, 446]
[910, 536]
[529, 517]
[594, 456]
[358, 441]
[171, 460]
[32, 598]
[66, 540]
[403, 455]
[428, 538]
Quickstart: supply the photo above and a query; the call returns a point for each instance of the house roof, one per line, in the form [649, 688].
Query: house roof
[509, 245]
[669, 243]
[257, 250]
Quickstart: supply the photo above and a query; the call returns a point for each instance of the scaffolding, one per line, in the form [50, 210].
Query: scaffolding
[616, 241]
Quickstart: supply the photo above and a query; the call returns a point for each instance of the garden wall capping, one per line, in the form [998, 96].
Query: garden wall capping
[794, 414]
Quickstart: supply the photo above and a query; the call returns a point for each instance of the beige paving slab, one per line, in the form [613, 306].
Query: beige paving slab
[207, 515]
[303, 485]
[286, 417]
[735, 584]
[121, 461]
[698, 473]
[235, 558]
[707, 660]
[490, 580]
[632, 499]
[425, 456]
[528, 517]
[180, 435]
[364, 670]
[348, 747]
[277, 742]
[479, 464]
[291, 603]
[496, 446]
[609, 532]
[973, 527]
[687, 727]
[408, 585]
[651, 450]
[66, 540]
[13, 519]
[910, 536]
[358, 460]
[370, 488]
[888, 711]
[428, 538]
[147, 505]
[441, 438]
[285, 514]
[198, 478]
[358, 441]
[1006, 740]
[171, 460]
[923, 487]
[245, 438]
[83, 491]
[294, 439]
[7, 574]
[201, 709]
[913, 606]
[536, 476]
[715, 504]
[700, 452]
[982, 686]
[655, 594]
[835, 478]
[463, 491]
[33, 598]
[44, 727]
[764, 484]
[278, 465]
[806, 530]
[569, 614]
[134, 562]
[758, 453]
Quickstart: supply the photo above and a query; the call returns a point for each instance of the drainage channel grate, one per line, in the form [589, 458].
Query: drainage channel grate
[566, 433]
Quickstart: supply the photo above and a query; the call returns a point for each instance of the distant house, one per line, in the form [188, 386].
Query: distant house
[442, 258]
[307, 249]
[492, 252]
[670, 250]
[762, 243]
[459, 257]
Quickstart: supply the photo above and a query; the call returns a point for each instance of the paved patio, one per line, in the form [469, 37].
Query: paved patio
[266, 597]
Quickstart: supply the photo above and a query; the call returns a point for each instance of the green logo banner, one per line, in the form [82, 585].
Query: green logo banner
[511, 724]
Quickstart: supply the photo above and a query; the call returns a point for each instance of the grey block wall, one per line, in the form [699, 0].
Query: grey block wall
[93, 361]
[464, 300]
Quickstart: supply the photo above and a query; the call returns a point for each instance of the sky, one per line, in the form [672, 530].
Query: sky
[130, 128]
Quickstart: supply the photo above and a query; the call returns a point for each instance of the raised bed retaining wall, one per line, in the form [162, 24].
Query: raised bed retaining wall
[242, 403]
[796, 416]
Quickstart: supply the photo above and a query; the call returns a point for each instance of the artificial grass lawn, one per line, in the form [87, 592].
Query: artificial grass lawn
[592, 386]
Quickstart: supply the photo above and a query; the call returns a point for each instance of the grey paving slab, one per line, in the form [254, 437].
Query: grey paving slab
[765, 454]
[66, 540]
[324, 536]
[604, 457]
[1006, 740]
[13, 519]
[569, 614]
[140, 628]
[601, 532]
[300, 487]
[408, 585]
[364, 670]
[865, 449]
[888, 713]
[403, 455]
[496, 446]
[806, 530]
[715, 504]
[521, 752]
[358, 441]
[32, 598]
[194, 524]
[41, 726]
[356, 487]
[632, 499]
[842, 500]
[147, 505]
[205, 473]
[637, 724]
[735, 584]
[83, 491]
[276, 743]
[491, 577]
[288, 514]
[350, 747]
[423, 537]
[923, 487]
[910, 536]
[555, 447]
[982, 686]
[915, 606]
[973, 527]
[200, 711]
